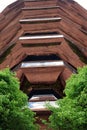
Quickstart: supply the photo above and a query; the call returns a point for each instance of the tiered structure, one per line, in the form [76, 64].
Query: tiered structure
[43, 41]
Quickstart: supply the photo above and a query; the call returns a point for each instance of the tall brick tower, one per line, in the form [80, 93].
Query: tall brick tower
[43, 41]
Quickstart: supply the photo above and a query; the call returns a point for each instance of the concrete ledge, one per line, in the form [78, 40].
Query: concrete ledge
[41, 105]
[40, 37]
[42, 97]
[39, 20]
[42, 64]
[40, 8]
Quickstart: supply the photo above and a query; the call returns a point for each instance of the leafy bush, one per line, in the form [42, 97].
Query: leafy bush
[72, 111]
[14, 114]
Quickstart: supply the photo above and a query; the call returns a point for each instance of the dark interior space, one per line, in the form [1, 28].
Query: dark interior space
[43, 92]
[40, 34]
[52, 57]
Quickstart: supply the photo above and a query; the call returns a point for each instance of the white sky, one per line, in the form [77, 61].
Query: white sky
[4, 3]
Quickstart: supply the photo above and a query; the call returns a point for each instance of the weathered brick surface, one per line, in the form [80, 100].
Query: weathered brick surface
[40, 13]
[43, 75]
[40, 3]
[73, 26]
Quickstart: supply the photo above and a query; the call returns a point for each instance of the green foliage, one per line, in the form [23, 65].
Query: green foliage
[14, 114]
[77, 82]
[72, 111]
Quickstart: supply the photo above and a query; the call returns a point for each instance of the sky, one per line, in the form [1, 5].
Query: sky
[4, 3]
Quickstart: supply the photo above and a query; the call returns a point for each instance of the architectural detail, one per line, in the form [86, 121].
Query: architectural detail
[43, 41]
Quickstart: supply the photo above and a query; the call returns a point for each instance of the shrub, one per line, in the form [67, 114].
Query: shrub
[14, 114]
[72, 111]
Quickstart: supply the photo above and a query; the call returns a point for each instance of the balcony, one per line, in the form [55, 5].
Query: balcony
[42, 71]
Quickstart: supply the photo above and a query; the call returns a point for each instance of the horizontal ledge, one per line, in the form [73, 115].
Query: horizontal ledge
[42, 97]
[41, 105]
[40, 37]
[39, 19]
[41, 64]
[39, 8]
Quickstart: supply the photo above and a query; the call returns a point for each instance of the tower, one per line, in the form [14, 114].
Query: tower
[40, 40]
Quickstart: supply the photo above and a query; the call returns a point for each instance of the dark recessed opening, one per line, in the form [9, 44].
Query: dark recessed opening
[41, 58]
[40, 34]
[84, 30]
[43, 92]
[42, 44]
[71, 67]
[39, 89]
